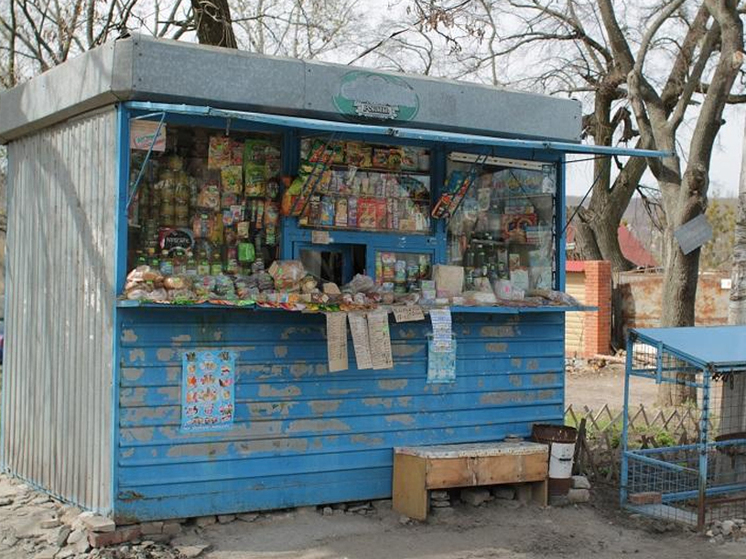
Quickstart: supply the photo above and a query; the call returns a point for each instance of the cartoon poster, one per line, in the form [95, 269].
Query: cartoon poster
[208, 390]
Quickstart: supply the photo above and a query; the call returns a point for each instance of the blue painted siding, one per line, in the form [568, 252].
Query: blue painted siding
[303, 435]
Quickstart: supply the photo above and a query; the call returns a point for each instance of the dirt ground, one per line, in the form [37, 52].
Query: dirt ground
[593, 387]
[499, 529]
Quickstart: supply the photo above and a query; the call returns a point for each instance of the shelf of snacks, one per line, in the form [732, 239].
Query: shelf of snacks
[207, 205]
[361, 187]
[405, 272]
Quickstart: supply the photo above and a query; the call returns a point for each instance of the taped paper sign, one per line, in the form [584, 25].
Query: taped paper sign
[360, 342]
[441, 365]
[142, 133]
[442, 332]
[380, 340]
[408, 313]
[336, 341]
[207, 390]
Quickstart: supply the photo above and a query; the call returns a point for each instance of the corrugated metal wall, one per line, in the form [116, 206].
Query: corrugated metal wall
[575, 321]
[57, 373]
[304, 435]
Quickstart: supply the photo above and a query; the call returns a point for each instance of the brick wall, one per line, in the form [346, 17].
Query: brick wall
[596, 335]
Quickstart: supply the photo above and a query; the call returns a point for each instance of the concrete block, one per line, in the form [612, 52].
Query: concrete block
[120, 535]
[98, 523]
[475, 496]
[580, 482]
[576, 496]
[148, 528]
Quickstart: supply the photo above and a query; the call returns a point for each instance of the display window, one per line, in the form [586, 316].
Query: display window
[359, 186]
[502, 230]
[212, 219]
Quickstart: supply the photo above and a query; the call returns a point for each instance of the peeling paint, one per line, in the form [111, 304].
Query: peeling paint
[132, 374]
[217, 335]
[290, 332]
[141, 434]
[546, 378]
[497, 331]
[281, 351]
[165, 354]
[404, 419]
[268, 391]
[316, 425]
[299, 369]
[322, 369]
[500, 347]
[366, 440]
[532, 364]
[198, 449]
[132, 396]
[128, 453]
[342, 391]
[129, 335]
[516, 362]
[325, 406]
[172, 392]
[495, 398]
[182, 339]
[406, 350]
[404, 401]
[392, 384]
[515, 380]
[273, 446]
[137, 355]
[375, 402]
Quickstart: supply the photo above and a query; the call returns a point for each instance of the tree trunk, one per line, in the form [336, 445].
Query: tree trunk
[596, 238]
[213, 22]
[733, 402]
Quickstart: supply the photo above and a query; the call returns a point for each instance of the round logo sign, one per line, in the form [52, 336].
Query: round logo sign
[376, 96]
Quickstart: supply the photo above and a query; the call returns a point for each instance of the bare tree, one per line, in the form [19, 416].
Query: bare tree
[713, 45]
[212, 20]
[307, 29]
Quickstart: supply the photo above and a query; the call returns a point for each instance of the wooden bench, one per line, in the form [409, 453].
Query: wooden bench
[420, 469]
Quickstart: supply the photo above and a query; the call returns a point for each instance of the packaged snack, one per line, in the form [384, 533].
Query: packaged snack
[271, 220]
[395, 159]
[320, 152]
[366, 216]
[219, 154]
[254, 181]
[352, 211]
[228, 199]
[227, 218]
[327, 211]
[381, 213]
[287, 274]
[209, 196]
[255, 152]
[390, 213]
[340, 217]
[338, 156]
[381, 158]
[409, 158]
[231, 179]
[236, 153]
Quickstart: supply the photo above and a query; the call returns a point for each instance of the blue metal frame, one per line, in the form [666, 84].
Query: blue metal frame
[398, 133]
[120, 272]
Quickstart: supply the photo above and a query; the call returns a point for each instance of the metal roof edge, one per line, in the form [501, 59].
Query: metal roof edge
[150, 69]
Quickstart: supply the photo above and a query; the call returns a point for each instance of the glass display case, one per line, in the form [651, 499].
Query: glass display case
[359, 186]
[501, 228]
[207, 204]
[404, 272]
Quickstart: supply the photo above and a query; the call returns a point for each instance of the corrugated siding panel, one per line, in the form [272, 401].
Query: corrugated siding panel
[574, 321]
[304, 435]
[57, 373]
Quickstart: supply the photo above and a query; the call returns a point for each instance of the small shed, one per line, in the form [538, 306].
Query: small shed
[145, 180]
[693, 470]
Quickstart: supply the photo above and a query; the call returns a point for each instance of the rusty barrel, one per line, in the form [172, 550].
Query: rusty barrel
[561, 440]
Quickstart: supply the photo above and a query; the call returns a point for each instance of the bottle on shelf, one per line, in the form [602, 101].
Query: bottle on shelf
[167, 265]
